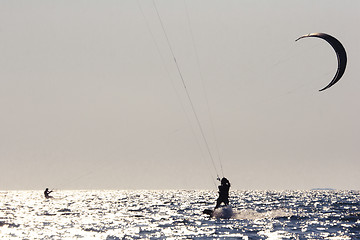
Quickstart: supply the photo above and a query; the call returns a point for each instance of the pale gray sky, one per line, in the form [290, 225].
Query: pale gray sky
[91, 98]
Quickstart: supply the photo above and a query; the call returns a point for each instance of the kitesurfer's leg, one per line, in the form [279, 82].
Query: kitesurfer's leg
[218, 202]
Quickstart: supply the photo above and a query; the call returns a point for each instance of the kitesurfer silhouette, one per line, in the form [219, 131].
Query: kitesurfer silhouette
[47, 192]
[223, 192]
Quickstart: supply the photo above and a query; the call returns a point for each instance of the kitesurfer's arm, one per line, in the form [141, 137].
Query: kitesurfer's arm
[227, 182]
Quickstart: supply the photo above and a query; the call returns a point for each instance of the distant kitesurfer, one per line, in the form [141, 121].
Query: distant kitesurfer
[47, 192]
[223, 193]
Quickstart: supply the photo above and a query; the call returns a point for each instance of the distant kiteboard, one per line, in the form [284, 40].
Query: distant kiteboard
[225, 212]
[208, 212]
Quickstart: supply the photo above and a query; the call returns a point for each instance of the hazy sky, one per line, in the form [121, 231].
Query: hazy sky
[91, 98]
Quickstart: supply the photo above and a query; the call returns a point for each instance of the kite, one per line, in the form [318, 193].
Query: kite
[340, 53]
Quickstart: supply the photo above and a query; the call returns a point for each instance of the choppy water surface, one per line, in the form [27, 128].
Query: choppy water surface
[178, 215]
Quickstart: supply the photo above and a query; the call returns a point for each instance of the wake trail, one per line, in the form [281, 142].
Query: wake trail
[228, 212]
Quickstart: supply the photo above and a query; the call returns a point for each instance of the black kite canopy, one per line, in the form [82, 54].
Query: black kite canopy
[340, 52]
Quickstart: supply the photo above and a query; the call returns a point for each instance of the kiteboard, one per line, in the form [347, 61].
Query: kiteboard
[208, 212]
[225, 212]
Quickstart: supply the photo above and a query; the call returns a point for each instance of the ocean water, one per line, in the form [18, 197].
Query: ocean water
[178, 214]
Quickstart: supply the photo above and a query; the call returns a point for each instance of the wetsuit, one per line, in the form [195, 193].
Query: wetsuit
[47, 192]
[223, 193]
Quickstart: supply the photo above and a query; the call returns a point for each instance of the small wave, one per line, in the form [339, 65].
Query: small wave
[64, 210]
[139, 209]
[69, 213]
[111, 237]
[10, 225]
[47, 214]
[339, 238]
[93, 229]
